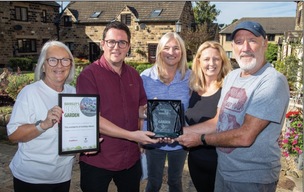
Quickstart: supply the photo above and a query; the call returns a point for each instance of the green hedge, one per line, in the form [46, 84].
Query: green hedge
[141, 68]
[25, 64]
[18, 81]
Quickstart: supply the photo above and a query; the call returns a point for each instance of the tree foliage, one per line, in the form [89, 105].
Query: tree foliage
[291, 69]
[204, 12]
[204, 15]
[195, 38]
[272, 52]
[292, 66]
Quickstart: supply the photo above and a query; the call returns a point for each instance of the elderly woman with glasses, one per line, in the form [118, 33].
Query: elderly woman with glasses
[36, 165]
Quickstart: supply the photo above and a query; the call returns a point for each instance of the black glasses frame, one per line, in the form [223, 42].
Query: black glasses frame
[121, 43]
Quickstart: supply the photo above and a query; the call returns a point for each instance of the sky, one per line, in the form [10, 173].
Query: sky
[237, 10]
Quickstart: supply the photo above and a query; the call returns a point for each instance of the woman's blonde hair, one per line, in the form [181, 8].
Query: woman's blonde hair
[182, 65]
[197, 78]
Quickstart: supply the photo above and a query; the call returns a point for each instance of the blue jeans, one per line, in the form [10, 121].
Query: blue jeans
[156, 162]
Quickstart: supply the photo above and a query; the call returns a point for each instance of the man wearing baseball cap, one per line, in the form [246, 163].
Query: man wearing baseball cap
[249, 119]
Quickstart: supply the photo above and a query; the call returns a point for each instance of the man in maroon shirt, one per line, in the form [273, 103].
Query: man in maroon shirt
[122, 97]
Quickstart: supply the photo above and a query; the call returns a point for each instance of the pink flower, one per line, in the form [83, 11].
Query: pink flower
[285, 154]
[295, 142]
[292, 139]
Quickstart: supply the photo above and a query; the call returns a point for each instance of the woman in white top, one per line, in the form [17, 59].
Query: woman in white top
[36, 165]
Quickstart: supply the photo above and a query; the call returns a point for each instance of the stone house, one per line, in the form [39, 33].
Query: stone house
[292, 45]
[25, 26]
[275, 28]
[82, 23]
[294, 36]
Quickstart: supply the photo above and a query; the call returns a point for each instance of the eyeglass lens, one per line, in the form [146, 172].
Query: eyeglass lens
[52, 61]
[121, 44]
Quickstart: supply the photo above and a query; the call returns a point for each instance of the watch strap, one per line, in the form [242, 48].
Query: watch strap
[37, 125]
[203, 139]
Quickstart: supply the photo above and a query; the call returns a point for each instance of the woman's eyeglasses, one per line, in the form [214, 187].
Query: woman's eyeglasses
[52, 61]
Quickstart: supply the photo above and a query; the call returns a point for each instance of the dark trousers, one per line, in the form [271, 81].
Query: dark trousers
[202, 174]
[94, 179]
[21, 186]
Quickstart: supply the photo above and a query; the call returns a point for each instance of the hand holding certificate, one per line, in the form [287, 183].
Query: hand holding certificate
[78, 130]
[165, 118]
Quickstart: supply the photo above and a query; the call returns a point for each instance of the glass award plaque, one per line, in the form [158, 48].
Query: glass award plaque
[165, 118]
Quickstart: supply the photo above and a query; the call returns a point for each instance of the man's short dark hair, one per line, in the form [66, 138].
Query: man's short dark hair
[117, 25]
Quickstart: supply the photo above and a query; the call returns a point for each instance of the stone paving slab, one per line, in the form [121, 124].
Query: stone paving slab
[286, 183]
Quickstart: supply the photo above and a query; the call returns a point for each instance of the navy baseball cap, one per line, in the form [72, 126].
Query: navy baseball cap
[251, 26]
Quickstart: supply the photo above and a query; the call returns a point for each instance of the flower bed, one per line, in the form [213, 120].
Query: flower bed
[292, 137]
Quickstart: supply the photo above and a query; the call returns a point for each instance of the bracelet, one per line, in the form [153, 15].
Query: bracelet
[203, 139]
[37, 125]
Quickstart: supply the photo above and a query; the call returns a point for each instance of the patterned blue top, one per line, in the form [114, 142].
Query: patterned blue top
[178, 89]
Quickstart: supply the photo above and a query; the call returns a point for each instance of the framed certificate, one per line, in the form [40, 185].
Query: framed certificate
[165, 117]
[79, 126]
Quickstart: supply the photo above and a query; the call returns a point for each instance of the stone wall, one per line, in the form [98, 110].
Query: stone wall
[142, 33]
[11, 29]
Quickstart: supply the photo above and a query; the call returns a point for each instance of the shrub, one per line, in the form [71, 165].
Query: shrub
[6, 110]
[25, 64]
[141, 68]
[78, 69]
[4, 80]
[16, 83]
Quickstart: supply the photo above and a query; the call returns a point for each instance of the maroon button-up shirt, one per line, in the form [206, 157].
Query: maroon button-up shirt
[120, 97]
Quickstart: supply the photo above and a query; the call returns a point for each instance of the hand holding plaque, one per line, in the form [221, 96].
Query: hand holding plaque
[165, 118]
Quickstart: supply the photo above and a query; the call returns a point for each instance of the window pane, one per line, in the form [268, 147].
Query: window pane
[18, 13]
[44, 16]
[33, 45]
[67, 21]
[95, 14]
[24, 14]
[228, 37]
[156, 13]
[126, 19]
[26, 45]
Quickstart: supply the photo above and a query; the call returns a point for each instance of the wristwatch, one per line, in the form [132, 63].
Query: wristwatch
[37, 125]
[203, 139]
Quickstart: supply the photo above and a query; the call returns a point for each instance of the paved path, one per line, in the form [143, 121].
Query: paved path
[7, 150]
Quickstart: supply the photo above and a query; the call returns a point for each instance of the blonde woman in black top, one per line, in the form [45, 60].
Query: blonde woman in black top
[209, 68]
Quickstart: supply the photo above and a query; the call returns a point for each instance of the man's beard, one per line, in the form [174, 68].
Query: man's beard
[245, 65]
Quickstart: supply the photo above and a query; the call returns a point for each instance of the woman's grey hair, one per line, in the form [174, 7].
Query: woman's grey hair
[39, 74]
